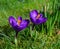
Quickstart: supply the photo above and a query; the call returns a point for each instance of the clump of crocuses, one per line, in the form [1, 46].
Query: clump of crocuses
[18, 24]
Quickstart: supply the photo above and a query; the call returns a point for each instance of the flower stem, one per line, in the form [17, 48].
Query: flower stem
[32, 30]
[16, 40]
[33, 26]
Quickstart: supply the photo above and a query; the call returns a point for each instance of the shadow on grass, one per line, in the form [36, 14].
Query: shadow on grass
[6, 29]
[6, 33]
[41, 28]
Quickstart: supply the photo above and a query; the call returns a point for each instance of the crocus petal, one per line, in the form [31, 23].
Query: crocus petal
[41, 20]
[44, 19]
[41, 15]
[19, 18]
[33, 15]
[24, 24]
[12, 21]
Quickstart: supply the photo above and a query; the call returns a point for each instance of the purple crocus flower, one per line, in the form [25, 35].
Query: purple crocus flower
[18, 24]
[37, 18]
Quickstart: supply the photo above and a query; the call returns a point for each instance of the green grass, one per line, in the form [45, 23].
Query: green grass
[42, 37]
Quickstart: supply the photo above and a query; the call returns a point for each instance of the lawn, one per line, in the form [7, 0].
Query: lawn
[43, 36]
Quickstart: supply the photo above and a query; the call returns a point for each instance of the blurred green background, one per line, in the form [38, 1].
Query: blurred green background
[44, 36]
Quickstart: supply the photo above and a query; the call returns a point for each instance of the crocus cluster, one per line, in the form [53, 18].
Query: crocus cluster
[20, 24]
